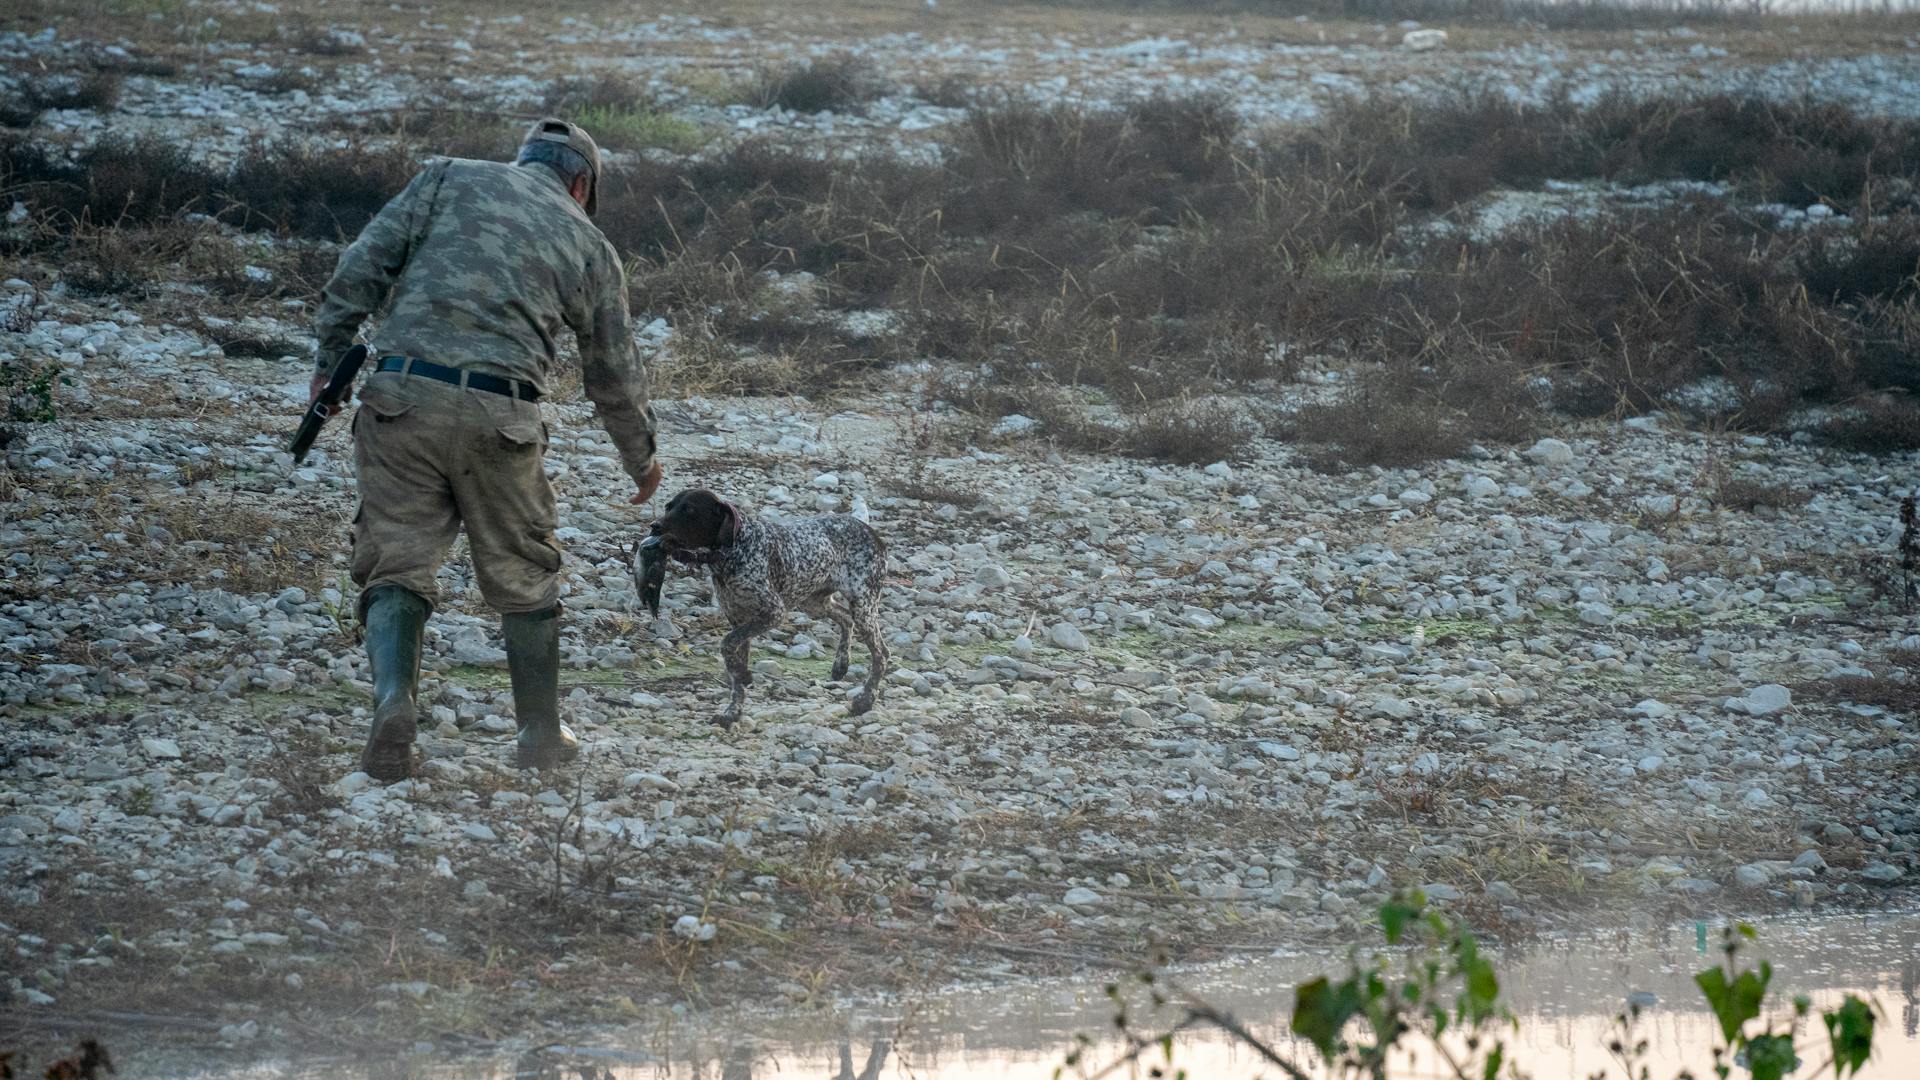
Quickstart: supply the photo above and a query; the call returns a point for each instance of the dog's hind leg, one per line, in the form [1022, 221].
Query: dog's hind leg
[824, 606]
[865, 612]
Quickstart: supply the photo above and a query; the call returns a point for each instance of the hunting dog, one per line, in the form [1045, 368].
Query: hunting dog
[761, 568]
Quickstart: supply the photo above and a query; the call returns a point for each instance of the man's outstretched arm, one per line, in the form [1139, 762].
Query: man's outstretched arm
[612, 373]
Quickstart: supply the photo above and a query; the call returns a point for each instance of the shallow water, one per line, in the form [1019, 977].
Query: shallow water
[1566, 993]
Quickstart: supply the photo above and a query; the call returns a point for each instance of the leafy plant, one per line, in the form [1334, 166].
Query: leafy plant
[26, 386]
[1441, 995]
[636, 127]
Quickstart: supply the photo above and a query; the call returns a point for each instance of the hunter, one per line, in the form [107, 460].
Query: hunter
[473, 271]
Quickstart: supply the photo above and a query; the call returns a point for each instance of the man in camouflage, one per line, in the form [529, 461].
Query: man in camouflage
[474, 269]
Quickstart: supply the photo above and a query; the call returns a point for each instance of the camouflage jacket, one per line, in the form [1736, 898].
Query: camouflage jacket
[478, 265]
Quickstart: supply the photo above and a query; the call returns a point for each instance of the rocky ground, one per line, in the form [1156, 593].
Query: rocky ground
[1626, 673]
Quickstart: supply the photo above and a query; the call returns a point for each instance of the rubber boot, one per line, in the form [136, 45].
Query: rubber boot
[533, 660]
[396, 619]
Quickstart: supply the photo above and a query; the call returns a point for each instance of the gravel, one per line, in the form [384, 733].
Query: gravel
[1132, 702]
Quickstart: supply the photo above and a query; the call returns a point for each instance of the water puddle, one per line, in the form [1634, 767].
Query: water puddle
[1566, 992]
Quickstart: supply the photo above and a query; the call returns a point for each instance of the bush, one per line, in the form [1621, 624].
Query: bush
[1394, 1005]
[841, 83]
[26, 388]
[1882, 424]
[1021, 163]
[327, 193]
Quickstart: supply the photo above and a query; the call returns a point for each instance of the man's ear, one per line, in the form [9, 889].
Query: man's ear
[579, 188]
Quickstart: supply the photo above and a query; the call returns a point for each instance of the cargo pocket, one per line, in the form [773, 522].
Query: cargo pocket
[543, 550]
[517, 422]
[384, 401]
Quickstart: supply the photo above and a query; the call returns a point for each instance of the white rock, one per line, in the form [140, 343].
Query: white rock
[1423, 40]
[166, 749]
[1397, 708]
[693, 928]
[1550, 452]
[1596, 614]
[1081, 896]
[1763, 700]
[1067, 636]
[351, 784]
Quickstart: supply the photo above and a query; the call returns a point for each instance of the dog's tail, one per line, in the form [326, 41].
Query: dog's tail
[879, 548]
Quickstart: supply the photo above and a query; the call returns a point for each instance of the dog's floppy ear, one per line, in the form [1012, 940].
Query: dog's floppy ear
[729, 530]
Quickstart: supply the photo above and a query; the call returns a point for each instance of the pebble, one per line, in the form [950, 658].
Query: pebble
[1068, 636]
[1550, 452]
[165, 749]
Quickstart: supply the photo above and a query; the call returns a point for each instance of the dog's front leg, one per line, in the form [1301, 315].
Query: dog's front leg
[735, 649]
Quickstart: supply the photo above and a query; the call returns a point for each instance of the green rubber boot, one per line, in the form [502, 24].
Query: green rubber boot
[533, 660]
[396, 619]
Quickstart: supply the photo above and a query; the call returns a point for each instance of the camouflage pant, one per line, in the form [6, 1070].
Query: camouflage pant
[432, 457]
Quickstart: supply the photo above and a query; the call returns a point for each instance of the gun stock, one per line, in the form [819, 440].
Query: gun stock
[337, 390]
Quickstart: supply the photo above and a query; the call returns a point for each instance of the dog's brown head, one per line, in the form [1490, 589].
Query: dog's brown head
[697, 518]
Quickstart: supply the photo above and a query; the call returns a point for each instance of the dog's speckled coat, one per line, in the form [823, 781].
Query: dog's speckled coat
[761, 568]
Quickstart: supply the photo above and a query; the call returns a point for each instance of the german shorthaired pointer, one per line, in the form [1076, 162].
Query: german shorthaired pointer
[761, 568]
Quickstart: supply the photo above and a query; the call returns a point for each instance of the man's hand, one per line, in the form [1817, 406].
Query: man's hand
[314, 388]
[649, 483]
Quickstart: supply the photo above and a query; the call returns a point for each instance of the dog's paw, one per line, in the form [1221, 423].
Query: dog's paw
[839, 670]
[726, 720]
[862, 702]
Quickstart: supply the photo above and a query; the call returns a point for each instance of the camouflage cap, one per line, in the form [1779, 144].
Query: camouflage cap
[575, 138]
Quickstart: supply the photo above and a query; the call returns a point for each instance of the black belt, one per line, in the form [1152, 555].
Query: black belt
[492, 384]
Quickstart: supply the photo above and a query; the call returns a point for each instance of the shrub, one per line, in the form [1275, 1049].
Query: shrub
[1374, 425]
[1880, 424]
[324, 193]
[118, 181]
[606, 91]
[436, 129]
[1395, 1005]
[641, 129]
[121, 259]
[1750, 493]
[318, 41]
[27, 386]
[1018, 162]
[98, 90]
[840, 83]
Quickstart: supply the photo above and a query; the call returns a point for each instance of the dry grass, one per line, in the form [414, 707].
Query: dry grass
[1876, 424]
[98, 90]
[244, 549]
[1750, 493]
[841, 83]
[1146, 252]
[302, 772]
[1893, 686]
[1139, 251]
